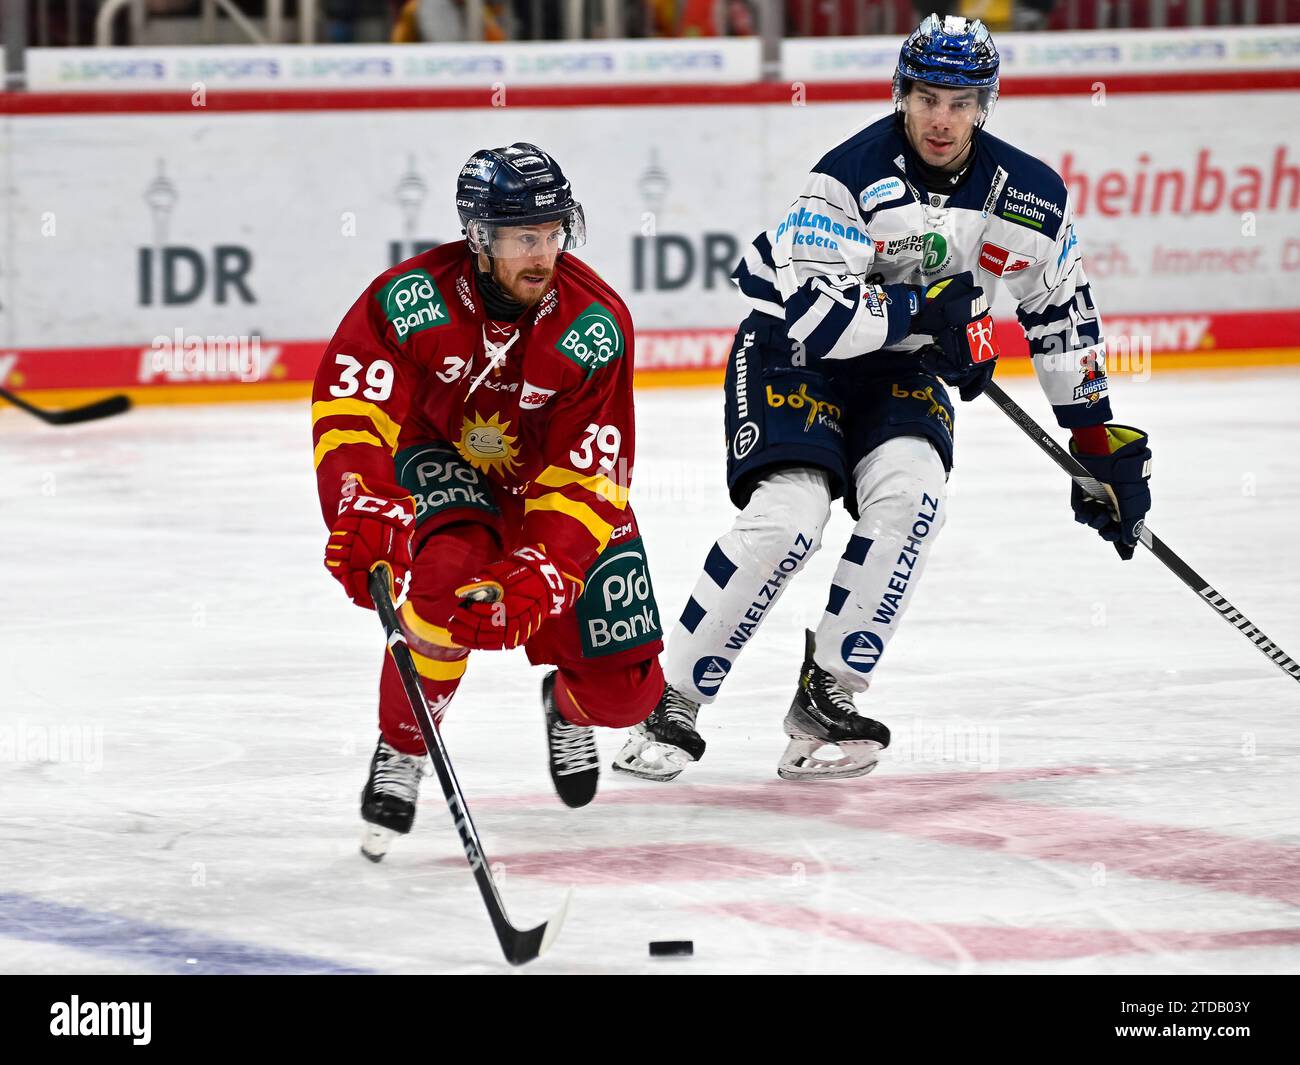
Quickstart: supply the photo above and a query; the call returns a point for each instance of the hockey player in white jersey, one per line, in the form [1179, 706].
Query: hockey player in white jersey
[868, 296]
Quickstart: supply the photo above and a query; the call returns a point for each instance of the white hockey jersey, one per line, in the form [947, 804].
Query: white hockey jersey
[865, 221]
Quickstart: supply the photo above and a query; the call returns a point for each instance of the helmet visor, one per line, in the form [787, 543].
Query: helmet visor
[923, 98]
[516, 240]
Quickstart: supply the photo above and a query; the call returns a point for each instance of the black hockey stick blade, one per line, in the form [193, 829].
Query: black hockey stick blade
[519, 946]
[1149, 540]
[523, 947]
[102, 408]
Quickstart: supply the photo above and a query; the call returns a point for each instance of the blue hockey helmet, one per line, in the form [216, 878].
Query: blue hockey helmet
[951, 52]
[516, 186]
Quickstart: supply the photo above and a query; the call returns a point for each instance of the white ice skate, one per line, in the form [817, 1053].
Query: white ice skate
[665, 743]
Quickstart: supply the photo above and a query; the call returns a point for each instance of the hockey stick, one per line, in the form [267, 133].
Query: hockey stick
[101, 408]
[518, 946]
[1157, 547]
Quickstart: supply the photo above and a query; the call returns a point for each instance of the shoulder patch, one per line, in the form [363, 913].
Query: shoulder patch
[1030, 209]
[1031, 194]
[891, 188]
[998, 261]
[412, 303]
[593, 339]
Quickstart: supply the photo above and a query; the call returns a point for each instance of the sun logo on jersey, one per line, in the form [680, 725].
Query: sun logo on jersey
[487, 445]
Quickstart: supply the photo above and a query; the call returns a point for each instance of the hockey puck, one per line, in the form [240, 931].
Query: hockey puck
[672, 948]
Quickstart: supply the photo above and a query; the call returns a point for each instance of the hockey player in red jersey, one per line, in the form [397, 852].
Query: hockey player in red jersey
[473, 428]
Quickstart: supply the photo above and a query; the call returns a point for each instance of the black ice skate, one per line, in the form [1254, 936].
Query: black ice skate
[664, 743]
[388, 799]
[822, 716]
[575, 762]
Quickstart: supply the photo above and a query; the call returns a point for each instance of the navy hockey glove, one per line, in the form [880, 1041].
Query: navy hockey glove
[955, 312]
[970, 385]
[1125, 472]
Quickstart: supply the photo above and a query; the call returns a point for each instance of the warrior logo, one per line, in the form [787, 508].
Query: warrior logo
[746, 438]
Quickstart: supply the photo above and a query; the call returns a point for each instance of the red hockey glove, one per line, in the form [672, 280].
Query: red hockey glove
[371, 528]
[504, 604]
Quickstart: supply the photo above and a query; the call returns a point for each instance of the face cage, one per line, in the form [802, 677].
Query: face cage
[989, 94]
[485, 236]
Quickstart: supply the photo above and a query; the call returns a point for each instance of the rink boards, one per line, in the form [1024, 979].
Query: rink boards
[186, 244]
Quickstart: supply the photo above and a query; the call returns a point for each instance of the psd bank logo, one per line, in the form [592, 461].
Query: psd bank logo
[617, 610]
[710, 673]
[861, 651]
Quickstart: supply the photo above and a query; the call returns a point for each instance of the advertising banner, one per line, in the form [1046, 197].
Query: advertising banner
[121, 229]
[701, 60]
[1100, 52]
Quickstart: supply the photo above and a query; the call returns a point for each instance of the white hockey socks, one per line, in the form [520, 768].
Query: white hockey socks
[744, 575]
[901, 497]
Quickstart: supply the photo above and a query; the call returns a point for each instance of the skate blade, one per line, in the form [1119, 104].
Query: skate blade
[375, 842]
[801, 762]
[664, 763]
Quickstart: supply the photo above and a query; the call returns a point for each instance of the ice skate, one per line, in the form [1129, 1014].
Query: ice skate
[829, 740]
[388, 800]
[665, 743]
[575, 762]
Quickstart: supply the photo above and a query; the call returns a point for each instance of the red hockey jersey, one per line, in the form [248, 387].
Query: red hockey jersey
[542, 406]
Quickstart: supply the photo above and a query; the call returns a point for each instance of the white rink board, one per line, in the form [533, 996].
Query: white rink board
[308, 205]
[1091, 772]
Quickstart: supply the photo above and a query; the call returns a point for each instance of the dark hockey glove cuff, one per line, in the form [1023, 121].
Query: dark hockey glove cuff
[963, 357]
[949, 303]
[1127, 472]
[973, 387]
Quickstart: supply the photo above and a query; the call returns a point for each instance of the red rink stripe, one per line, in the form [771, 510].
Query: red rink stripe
[1216, 335]
[234, 100]
[970, 943]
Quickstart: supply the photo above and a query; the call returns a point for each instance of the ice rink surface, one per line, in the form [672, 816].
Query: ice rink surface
[1091, 772]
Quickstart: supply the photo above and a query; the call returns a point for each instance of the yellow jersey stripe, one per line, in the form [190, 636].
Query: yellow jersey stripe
[385, 425]
[597, 484]
[423, 630]
[338, 437]
[600, 529]
[437, 669]
[575, 702]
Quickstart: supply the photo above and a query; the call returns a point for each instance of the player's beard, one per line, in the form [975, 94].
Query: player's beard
[526, 284]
